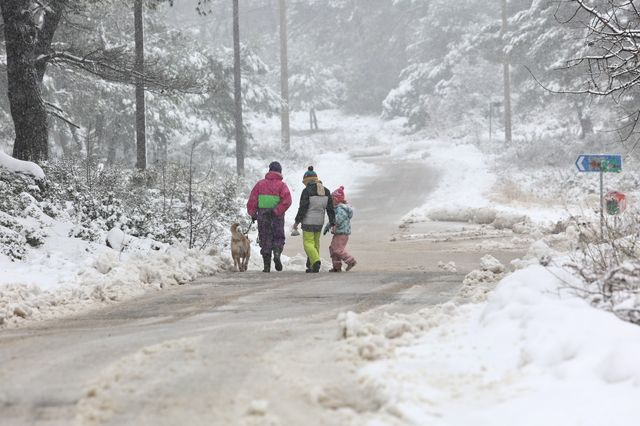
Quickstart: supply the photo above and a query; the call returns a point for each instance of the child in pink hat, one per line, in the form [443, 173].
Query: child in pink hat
[341, 232]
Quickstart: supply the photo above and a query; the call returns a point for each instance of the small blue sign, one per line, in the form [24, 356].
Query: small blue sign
[599, 163]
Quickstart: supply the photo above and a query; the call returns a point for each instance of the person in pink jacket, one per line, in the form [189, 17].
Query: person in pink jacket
[269, 200]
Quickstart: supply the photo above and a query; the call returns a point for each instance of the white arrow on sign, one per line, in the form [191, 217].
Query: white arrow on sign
[581, 164]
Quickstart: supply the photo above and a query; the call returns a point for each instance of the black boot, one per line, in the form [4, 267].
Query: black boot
[276, 258]
[267, 262]
[309, 266]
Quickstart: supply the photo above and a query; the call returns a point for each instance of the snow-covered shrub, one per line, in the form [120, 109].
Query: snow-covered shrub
[87, 233]
[12, 243]
[617, 291]
[195, 207]
[35, 237]
[165, 203]
[609, 266]
[18, 202]
[9, 222]
[12, 188]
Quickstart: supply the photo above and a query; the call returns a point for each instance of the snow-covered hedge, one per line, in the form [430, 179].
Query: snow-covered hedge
[19, 214]
[153, 204]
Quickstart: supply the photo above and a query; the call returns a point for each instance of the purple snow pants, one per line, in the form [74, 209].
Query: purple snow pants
[270, 231]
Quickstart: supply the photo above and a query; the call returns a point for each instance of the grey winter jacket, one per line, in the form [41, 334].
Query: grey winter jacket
[312, 208]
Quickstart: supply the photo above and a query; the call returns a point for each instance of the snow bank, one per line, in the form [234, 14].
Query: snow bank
[67, 275]
[19, 166]
[103, 278]
[532, 348]
[466, 192]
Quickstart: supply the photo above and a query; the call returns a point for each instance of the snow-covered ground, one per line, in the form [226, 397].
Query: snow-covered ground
[508, 342]
[532, 354]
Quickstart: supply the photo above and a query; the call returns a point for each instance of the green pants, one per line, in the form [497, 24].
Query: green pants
[311, 242]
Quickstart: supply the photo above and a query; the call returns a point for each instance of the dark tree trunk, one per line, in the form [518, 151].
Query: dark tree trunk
[141, 143]
[25, 42]
[237, 90]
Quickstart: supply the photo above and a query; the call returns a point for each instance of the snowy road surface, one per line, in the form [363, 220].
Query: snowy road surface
[235, 348]
[201, 353]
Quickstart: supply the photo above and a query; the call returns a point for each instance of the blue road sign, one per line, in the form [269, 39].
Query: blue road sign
[599, 163]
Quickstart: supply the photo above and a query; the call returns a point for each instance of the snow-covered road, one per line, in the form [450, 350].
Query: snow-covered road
[235, 348]
[203, 354]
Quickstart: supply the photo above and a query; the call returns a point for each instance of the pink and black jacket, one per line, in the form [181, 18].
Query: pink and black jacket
[270, 193]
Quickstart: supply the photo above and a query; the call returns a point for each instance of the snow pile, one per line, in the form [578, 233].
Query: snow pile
[371, 342]
[478, 283]
[106, 277]
[470, 192]
[533, 344]
[19, 166]
[538, 253]
[116, 239]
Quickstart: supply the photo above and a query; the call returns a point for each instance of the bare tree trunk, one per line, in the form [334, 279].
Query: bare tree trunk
[190, 198]
[99, 133]
[162, 148]
[284, 77]
[78, 140]
[163, 169]
[63, 141]
[25, 42]
[313, 120]
[586, 125]
[507, 80]
[111, 150]
[141, 144]
[237, 90]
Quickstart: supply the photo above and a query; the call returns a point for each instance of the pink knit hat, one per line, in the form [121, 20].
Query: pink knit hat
[338, 196]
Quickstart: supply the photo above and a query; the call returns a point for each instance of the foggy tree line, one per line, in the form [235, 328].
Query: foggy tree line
[74, 75]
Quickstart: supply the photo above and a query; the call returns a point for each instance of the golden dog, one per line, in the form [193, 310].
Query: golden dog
[240, 248]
